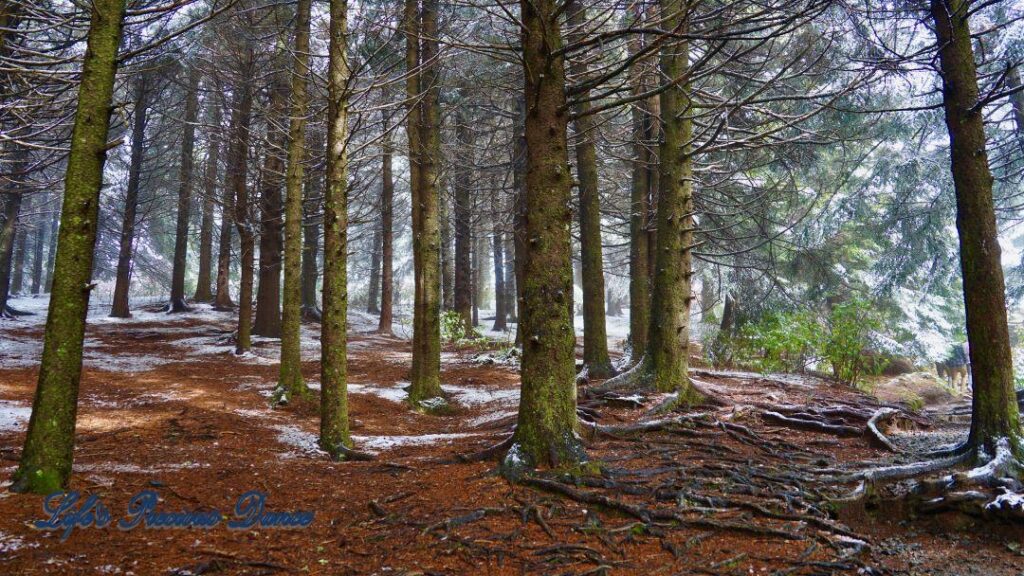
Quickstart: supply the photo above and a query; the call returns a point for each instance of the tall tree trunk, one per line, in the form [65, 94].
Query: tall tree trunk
[387, 204]
[51, 251]
[49, 445]
[479, 279]
[222, 298]
[120, 308]
[1017, 102]
[18, 266]
[238, 153]
[290, 382]
[334, 430]
[994, 414]
[447, 255]
[373, 289]
[519, 183]
[463, 221]
[497, 249]
[426, 140]
[546, 432]
[12, 210]
[268, 298]
[639, 258]
[510, 269]
[596, 362]
[670, 318]
[38, 239]
[203, 280]
[185, 194]
[310, 250]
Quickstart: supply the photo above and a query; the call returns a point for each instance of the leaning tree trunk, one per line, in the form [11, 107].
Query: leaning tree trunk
[334, 430]
[670, 318]
[387, 205]
[289, 382]
[463, 293]
[177, 303]
[238, 152]
[268, 298]
[49, 445]
[204, 278]
[425, 139]
[120, 308]
[995, 407]
[596, 362]
[546, 433]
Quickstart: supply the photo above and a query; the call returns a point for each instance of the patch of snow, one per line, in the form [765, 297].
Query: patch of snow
[10, 543]
[13, 416]
[382, 443]
[480, 396]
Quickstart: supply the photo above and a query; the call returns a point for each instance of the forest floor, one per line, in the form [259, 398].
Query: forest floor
[165, 406]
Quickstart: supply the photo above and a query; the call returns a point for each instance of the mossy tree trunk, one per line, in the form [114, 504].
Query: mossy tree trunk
[994, 412]
[177, 303]
[334, 429]
[546, 433]
[290, 383]
[425, 151]
[268, 296]
[222, 298]
[204, 277]
[596, 362]
[238, 154]
[120, 307]
[49, 445]
[387, 208]
[671, 293]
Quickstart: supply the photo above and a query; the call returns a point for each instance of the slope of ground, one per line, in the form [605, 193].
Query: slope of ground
[166, 407]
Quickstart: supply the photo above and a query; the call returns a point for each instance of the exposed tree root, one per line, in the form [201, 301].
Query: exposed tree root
[345, 453]
[808, 423]
[488, 453]
[177, 305]
[9, 312]
[881, 418]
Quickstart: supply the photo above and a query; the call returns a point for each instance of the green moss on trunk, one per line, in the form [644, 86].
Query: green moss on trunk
[49, 445]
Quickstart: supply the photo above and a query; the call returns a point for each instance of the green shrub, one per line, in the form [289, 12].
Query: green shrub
[780, 342]
[847, 335]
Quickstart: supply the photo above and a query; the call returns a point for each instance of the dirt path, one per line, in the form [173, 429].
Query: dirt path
[193, 424]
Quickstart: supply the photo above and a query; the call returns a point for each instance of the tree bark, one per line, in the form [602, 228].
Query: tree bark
[373, 288]
[387, 204]
[12, 209]
[425, 140]
[268, 297]
[238, 153]
[463, 222]
[38, 239]
[670, 319]
[546, 432]
[334, 426]
[290, 382]
[177, 303]
[222, 299]
[310, 248]
[447, 255]
[596, 362]
[120, 308]
[18, 265]
[995, 413]
[203, 280]
[497, 250]
[51, 251]
[639, 208]
[519, 209]
[49, 445]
